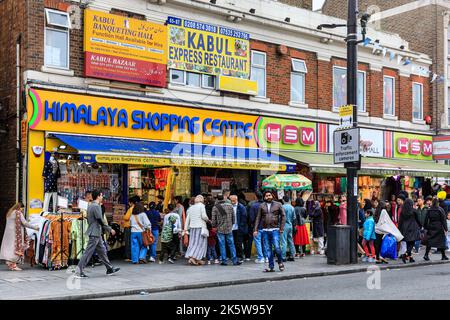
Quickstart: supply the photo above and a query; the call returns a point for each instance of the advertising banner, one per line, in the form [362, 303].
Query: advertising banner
[284, 134]
[413, 146]
[204, 48]
[124, 49]
[237, 85]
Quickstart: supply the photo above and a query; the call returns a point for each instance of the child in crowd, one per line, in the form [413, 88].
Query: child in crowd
[166, 240]
[176, 231]
[369, 237]
[211, 253]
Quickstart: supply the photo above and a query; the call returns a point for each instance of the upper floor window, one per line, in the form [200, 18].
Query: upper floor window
[340, 89]
[417, 101]
[389, 96]
[192, 79]
[258, 71]
[56, 53]
[298, 76]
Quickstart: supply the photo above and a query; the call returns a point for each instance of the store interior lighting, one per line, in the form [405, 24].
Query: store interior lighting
[62, 147]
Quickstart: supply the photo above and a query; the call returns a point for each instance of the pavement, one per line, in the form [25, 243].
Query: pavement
[430, 282]
[40, 284]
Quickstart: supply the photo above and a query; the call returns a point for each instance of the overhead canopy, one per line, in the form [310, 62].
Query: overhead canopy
[146, 152]
[323, 163]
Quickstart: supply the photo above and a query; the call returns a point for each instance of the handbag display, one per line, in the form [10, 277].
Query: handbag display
[147, 235]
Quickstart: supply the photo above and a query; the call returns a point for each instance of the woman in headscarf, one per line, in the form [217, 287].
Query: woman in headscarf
[318, 230]
[436, 226]
[15, 239]
[409, 227]
[198, 232]
[301, 235]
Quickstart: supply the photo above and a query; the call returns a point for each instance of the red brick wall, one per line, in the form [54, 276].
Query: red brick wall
[12, 24]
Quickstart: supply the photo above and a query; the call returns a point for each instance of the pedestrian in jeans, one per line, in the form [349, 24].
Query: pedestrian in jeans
[287, 239]
[127, 227]
[166, 239]
[223, 219]
[95, 244]
[211, 254]
[252, 214]
[176, 230]
[369, 237]
[139, 223]
[273, 218]
[155, 219]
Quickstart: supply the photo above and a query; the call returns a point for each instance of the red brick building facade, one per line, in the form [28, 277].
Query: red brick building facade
[23, 21]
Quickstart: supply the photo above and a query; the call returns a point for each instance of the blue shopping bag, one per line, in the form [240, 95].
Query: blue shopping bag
[389, 247]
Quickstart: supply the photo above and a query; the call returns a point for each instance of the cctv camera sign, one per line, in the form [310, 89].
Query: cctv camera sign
[346, 145]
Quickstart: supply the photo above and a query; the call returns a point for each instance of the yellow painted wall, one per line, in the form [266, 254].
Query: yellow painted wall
[35, 167]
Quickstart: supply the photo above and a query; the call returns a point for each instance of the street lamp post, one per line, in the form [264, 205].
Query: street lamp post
[352, 168]
[352, 71]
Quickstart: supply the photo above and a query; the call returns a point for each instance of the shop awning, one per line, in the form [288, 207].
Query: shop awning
[323, 163]
[162, 153]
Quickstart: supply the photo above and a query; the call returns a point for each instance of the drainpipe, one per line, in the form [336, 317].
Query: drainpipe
[19, 39]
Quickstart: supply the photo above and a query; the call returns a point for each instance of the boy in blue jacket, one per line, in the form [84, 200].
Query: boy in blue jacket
[369, 237]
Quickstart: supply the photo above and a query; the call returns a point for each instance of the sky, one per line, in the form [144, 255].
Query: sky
[317, 4]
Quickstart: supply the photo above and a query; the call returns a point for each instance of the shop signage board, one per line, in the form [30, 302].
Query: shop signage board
[284, 134]
[92, 115]
[205, 48]
[413, 146]
[237, 85]
[371, 142]
[441, 148]
[23, 135]
[345, 116]
[124, 49]
[346, 146]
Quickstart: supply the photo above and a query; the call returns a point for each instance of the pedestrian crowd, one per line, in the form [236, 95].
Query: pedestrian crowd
[223, 230]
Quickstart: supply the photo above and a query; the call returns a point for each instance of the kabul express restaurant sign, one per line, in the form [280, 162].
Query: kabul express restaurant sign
[205, 48]
[124, 49]
[98, 116]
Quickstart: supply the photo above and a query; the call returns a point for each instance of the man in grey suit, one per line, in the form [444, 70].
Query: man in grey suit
[94, 231]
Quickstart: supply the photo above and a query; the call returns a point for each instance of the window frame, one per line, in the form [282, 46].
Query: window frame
[203, 82]
[258, 66]
[364, 73]
[298, 73]
[47, 18]
[393, 96]
[421, 100]
[186, 73]
[174, 82]
[68, 47]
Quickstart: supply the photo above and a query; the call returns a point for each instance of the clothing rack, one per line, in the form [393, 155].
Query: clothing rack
[61, 214]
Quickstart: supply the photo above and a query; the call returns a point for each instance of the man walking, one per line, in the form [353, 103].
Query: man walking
[288, 229]
[273, 218]
[94, 231]
[421, 213]
[252, 213]
[223, 219]
[240, 228]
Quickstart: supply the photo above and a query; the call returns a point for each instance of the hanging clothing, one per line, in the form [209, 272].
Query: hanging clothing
[51, 175]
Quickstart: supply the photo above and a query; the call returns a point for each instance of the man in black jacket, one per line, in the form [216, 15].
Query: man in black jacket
[273, 218]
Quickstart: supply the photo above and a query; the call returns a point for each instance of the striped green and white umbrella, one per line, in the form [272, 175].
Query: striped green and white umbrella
[287, 182]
